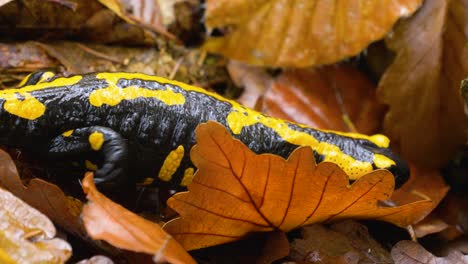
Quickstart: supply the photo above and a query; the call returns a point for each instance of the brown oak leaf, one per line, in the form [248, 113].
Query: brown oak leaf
[236, 192]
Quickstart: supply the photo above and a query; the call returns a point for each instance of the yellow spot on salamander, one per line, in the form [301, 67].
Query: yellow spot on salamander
[382, 161]
[91, 166]
[67, 133]
[188, 177]
[29, 107]
[147, 181]
[113, 95]
[171, 164]
[96, 139]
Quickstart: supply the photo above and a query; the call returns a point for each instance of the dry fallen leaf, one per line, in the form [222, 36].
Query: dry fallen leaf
[345, 242]
[336, 97]
[408, 252]
[146, 14]
[255, 81]
[106, 220]
[300, 33]
[26, 235]
[422, 184]
[422, 85]
[236, 192]
[46, 197]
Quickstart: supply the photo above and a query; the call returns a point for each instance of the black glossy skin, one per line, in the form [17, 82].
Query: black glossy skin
[141, 132]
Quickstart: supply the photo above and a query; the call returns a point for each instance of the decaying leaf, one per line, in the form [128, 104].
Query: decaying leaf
[26, 235]
[408, 252]
[106, 220]
[422, 85]
[46, 197]
[236, 192]
[335, 97]
[345, 242]
[300, 33]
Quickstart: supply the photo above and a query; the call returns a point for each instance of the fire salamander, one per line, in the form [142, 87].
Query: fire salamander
[144, 125]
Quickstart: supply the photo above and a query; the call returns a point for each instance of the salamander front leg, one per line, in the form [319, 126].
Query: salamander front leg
[103, 141]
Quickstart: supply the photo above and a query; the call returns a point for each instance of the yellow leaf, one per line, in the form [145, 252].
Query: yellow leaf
[422, 85]
[300, 33]
[236, 192]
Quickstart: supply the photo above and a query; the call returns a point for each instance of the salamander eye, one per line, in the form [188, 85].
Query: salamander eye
[36, 77]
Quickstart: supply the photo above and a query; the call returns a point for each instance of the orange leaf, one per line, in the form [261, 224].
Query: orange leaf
[104, 219]
[422, 85]
[300, 33]
[323, 97]
[236, 192]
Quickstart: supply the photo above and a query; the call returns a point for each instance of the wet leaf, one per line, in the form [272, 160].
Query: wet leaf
[46, 197]
[106, 220]
[236, 192]
[300, 33]
[27, 236]
[345, 242]
[335, 97]
[408, 252]
[422, 85]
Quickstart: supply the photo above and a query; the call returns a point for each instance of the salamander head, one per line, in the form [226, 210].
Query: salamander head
[385, 158]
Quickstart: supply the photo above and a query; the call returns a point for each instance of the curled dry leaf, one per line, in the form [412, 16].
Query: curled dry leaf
[106, 220]
[408, 252]
[46, 197]
[422, 85]
[300, 33]
[236, 192]
[26, 235]
[329, 97]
